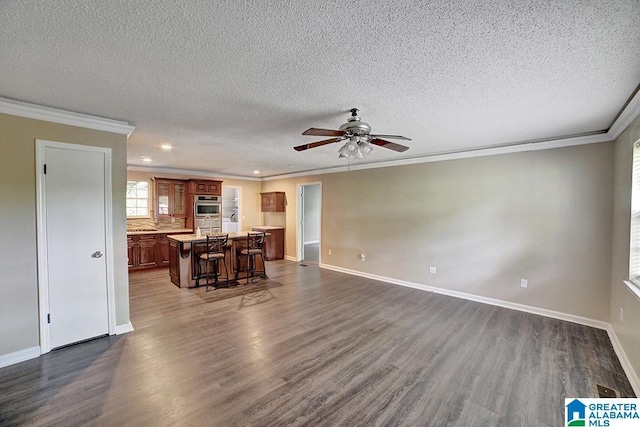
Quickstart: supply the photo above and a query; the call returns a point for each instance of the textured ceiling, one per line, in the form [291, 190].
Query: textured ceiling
[233, 84]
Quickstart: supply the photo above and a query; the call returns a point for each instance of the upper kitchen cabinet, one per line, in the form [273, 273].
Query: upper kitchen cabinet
[272, 201]
[170, 198]
[199, 186]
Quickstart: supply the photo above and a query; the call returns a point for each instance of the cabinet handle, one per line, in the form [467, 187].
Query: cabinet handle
[96, 254]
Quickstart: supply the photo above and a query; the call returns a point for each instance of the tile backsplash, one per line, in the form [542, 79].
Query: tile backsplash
[160, 224]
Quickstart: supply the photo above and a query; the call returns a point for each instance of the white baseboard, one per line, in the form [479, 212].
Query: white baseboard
[19, 356]
[291, 258]
[624, 361]
[617, 346]
[123, 329]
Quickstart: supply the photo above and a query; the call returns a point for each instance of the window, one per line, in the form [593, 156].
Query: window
[634, 252]
[137, 198]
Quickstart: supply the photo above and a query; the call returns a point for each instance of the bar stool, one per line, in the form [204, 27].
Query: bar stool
[254, 247]
[215, 252]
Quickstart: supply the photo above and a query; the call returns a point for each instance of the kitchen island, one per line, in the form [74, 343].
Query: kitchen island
[185, 250]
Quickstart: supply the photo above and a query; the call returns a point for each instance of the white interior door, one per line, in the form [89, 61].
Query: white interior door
[75, 230]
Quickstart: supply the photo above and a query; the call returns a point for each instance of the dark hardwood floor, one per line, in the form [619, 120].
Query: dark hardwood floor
[313, 347]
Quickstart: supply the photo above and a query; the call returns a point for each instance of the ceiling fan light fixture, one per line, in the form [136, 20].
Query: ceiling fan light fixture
[358, 138]
[344, 150]
[365, 148]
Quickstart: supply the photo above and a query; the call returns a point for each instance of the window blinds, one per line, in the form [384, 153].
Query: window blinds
[634, 255]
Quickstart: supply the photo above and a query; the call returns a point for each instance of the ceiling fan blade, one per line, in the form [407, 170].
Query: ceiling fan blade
[388, 144]
[404, 138]
[316, 144]
[323, 132]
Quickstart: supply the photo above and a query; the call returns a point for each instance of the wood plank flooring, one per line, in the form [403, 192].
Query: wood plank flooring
[317, 348]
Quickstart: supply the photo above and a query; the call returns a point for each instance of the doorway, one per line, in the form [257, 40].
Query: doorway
[309, 220]
[75, 247]
[231, 216]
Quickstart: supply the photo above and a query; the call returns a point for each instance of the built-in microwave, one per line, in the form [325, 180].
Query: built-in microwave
[207, 205]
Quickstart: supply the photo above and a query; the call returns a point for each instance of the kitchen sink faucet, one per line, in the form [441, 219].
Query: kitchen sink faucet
[204, 222]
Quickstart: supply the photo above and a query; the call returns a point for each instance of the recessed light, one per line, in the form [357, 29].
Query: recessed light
[146, 159]
[166, 147]
[256, 171]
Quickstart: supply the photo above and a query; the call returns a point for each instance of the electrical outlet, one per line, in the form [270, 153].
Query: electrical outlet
[432, 269]
[329, 252]
[621, 315]
[173, 219]
[524, 283]
[363, 258]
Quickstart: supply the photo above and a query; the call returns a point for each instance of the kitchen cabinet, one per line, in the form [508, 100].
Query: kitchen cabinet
[148, 250]
[272, 202]
[141, 250]
[199, 186]
[274, 243]
[171, 199]
[162, 254]
[131, 252]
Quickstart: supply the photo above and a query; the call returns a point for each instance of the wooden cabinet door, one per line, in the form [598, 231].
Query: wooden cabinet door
[179, 199]
[209, 188]
[171, 198]
[214, 188]
[277, 238]
[131, 252]
[147, 247]
[272, 201]
[163, 205]
[174, 266]
[267, 202]
[163, 250]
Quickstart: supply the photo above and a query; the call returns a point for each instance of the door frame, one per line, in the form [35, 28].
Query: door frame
[239, 190]
[300, 221]
[41, 236]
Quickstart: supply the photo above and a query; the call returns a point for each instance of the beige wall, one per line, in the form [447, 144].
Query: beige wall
[18, 254]
[250, 193]
[484, 222]
[628, 332]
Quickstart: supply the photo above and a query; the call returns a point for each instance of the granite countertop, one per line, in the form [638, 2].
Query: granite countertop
[267, 227]
[178, 231]
[188, 238]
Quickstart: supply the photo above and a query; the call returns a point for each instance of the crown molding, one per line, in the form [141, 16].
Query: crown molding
[188, 172]
[629, 114]
[481, 152]
[54, 115]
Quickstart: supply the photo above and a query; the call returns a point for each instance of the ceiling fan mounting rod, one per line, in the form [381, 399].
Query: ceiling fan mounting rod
[354, 112]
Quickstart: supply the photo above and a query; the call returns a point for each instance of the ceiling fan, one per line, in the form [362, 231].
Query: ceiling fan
[358, 138]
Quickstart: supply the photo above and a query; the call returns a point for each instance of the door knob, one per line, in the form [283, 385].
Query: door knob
[96, 254]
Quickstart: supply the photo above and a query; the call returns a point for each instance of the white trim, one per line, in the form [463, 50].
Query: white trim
[109, 252]
[628, 115]
[299, 218]
[290, 258]
[486, 300]
[123, 329]
[481, 152]
[632, 376]
[311, 242]
[189, 173]
[19, 356]
[55, 115]
[41, 236]
[633, 288]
